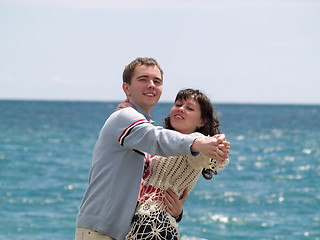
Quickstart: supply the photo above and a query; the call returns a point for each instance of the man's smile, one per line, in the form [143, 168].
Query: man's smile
[150, 94]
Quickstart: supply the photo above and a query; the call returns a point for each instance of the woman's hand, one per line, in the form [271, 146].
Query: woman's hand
[215, 147]
[223, 144]
[124, 104]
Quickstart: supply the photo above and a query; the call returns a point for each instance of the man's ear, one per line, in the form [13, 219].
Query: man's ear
[126, 89]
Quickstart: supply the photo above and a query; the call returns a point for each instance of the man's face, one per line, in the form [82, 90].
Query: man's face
[145, 88]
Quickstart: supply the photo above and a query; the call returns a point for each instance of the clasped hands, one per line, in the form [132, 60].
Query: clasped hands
[215, 147]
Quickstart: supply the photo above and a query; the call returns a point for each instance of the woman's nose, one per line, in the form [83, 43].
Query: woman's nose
[181, 108]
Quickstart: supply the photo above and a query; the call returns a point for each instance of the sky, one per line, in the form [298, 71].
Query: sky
[248, 51]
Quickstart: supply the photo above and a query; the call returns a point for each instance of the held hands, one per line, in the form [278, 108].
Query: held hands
[224, 145]
[215, 147]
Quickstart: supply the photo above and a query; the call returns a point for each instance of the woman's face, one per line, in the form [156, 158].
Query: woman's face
[185, 116]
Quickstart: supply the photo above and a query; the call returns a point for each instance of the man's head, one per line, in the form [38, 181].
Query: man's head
[142, 82]
[129, 69]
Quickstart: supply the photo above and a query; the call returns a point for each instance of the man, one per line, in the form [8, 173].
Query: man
[117, 163]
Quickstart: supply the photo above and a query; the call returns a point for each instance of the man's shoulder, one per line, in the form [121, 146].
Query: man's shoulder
[128, 111]
[126, 115]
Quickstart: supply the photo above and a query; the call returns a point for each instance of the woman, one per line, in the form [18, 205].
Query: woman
[193, 114]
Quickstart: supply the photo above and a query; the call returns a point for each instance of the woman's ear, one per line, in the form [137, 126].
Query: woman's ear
[126, 89]
[202, 123]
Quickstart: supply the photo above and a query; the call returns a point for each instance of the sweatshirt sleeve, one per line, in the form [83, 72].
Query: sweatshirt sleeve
[135, 132]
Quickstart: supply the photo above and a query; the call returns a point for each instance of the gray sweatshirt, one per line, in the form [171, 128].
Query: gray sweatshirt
[117, 166]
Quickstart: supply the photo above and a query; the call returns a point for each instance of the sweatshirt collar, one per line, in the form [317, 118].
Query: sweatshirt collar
[142, 111]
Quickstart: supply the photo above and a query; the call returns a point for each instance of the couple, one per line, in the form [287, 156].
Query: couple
[108, 207]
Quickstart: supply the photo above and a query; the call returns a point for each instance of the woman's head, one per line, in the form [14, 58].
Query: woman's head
[192, 111]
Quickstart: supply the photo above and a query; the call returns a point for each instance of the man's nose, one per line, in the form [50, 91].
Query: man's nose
[151, 84]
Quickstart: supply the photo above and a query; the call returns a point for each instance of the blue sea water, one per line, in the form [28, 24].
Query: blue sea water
[270, 190]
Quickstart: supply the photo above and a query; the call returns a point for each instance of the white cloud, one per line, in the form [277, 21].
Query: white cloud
[166, 4]
[8, 79]
[71, 82]
[58, 79]
[301, 41]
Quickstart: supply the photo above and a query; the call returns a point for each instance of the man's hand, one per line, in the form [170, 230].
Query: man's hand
[174, 205]
[223, 145]
[124, 104]
[215, 147]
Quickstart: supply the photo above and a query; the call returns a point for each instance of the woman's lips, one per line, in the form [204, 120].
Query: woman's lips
[178, 116]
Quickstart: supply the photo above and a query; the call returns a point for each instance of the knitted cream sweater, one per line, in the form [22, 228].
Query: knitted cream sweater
[176, 173]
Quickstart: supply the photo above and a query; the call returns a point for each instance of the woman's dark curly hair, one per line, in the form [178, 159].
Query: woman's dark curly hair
[208, 114]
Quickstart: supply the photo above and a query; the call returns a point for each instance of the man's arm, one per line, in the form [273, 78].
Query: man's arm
[174, 205]
[135, 132]
[215, 147]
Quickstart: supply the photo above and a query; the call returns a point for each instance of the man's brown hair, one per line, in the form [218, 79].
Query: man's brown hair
[129, 69]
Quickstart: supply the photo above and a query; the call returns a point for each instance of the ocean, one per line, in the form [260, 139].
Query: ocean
[270, 190]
